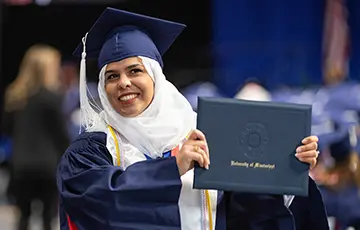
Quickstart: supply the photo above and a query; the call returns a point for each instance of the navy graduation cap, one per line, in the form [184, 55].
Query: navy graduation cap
[341, 148]
[120, 34]
[342, 144]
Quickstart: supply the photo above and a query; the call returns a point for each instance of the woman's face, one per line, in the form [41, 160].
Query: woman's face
[128, 86]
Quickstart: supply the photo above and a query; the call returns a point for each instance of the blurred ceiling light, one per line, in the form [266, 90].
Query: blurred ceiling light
[18, 2]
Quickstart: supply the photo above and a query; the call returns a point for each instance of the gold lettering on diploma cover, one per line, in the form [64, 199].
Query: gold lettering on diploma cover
[252, 165]
[240, 164]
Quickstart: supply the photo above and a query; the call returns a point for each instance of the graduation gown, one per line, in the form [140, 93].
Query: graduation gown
[95, 194]
[344, 205]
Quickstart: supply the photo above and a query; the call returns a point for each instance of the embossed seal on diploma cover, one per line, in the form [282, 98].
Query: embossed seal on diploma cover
[253, 140]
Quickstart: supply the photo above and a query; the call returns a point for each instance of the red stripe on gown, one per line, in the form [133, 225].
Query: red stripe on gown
[175, 151]
[71, 224]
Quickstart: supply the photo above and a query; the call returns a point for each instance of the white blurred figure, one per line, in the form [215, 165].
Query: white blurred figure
[200, 89]
[253, 91]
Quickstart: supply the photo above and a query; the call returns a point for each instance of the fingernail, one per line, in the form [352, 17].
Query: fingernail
[296, 154]
[298, 150]
[207, 167]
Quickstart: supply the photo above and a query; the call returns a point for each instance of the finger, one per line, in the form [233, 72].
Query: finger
[310, 161]
[202, 144]
[191, 143]
[311, 154]
[205, 156]
[198, 157]
[313, 163]
[308, 140]
[197, 146]
[196, 134]
[308, 147]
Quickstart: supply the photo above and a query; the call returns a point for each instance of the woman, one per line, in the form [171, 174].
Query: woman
[34, 121]
[132, 168]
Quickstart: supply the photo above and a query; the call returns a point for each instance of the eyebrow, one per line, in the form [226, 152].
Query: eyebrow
[133, 66]
[127, 68]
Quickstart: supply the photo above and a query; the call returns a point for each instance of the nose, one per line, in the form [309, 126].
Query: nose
[124, 82]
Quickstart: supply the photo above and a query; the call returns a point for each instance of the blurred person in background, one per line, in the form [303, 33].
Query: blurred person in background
[69, 74]
[71, 102]
[200, 89]
[338, 175]
[254, 91]
[334, 76]
[34, 120]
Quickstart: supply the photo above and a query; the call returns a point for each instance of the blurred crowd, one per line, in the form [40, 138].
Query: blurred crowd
[335, 120]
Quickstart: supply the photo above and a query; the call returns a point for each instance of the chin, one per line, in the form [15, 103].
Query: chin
[129, 113]
[130, 110]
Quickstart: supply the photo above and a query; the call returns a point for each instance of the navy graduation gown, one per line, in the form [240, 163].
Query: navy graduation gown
[344, 205]
[94, 194]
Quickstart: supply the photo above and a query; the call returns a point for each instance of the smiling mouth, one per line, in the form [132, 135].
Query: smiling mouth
[128, 98]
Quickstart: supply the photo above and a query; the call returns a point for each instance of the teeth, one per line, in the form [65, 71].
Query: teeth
[127, 97]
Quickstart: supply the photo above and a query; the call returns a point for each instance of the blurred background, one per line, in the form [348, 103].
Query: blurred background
[299, 51]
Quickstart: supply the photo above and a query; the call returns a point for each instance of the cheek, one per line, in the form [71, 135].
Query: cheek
[146, 85]
[109, 90]
[150, 91]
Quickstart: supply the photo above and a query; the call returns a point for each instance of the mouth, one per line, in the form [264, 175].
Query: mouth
[128, 98]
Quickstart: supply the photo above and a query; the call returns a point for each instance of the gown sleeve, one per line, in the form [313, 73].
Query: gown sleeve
[97, 195]
[268, 212]
[309, 212]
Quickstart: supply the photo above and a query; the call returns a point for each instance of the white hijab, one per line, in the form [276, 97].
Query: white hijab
[161, 127]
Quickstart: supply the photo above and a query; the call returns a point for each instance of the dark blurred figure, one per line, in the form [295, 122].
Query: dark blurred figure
[71, 103]
[70, 74]
[338, 175]
[34, 120]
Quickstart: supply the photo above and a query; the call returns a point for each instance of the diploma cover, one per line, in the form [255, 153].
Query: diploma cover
[252, 146]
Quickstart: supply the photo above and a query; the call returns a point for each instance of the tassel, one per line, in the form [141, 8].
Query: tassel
[87, 113]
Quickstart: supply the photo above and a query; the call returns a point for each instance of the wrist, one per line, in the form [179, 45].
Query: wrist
[181, 171]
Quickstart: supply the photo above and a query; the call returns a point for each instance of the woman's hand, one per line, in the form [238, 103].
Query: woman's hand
[308, 151]
[193, 149]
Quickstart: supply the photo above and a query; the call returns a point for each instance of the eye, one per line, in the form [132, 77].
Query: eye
[112, 76]
[136, 71]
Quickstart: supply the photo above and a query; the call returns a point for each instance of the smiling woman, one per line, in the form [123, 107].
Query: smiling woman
[129, 87]
[132, 168]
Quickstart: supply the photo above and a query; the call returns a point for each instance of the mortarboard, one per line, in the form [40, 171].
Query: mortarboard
[341, 148]
[120, 34]
[343, 144]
